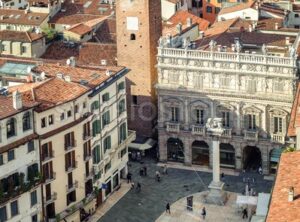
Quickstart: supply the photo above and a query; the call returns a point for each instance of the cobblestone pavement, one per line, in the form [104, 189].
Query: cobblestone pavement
[149, 204]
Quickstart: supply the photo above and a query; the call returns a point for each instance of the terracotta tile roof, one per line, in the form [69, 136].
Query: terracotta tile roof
[60, 51]
[81, 11]
[106, 33]
[224, 33]
[93, 53]
[295, 114]
[269, 23]
[20, 17]
[288, 175]
[19, 36]
[237, 7]
[94, 76]
[182, 16]
[272, 9]
[7, 109]
[172, 29]
[57, 91]
[80, 29]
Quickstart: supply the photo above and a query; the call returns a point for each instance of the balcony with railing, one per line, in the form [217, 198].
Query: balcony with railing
[47, 156]
[87, 136]
[70, 145]
[173, 127]
[251, 135]
[198, 130]
[50, 199]
[71, 187]
[89, 175]
[278, 138]
[49, 178]
[227, 133]
[72, 166]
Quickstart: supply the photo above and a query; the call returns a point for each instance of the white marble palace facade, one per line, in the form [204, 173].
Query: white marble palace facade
[253, 93]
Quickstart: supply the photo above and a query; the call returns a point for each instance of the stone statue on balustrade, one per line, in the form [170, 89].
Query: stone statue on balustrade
[214, 126]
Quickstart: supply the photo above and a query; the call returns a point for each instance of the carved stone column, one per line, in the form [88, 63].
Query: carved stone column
[238, 119]
[187, 152]
[163, 149]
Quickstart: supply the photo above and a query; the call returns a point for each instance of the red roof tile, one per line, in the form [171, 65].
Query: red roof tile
[182, 16]
[288, 175]
[10, 35]
[237, 7]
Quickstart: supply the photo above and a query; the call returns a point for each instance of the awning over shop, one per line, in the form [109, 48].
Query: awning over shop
[143, 146]
[275, 154]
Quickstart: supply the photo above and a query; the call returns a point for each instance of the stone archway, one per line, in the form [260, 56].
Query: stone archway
[200, 153]
[175, 150]
[227, 155]
[252, 158]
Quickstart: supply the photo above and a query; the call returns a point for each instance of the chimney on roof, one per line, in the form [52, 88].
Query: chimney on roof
[291, 194]
[67, 78]
[179, 28]
[17, 100]
[108, 72]
[201, 34]
[250, 28]
[103, 62]
[72, 61]
[287, 40]
[189, 22]
[276, 25]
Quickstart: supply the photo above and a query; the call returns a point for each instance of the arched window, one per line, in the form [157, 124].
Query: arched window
[11, 128]
[26, 121]
[132, 36]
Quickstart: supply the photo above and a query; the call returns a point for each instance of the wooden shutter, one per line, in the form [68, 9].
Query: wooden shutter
[73, 158]
[66, 161]
[50, 148]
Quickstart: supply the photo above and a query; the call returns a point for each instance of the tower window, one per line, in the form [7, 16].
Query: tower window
[132, 36]
[134, 100]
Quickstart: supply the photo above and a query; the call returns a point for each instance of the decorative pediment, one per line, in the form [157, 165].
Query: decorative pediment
[198, 104]
[225, 107]
[278, 112]
[172, 101]
[251, 110]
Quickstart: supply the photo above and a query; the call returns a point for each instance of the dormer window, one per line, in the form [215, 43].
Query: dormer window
[132, 36]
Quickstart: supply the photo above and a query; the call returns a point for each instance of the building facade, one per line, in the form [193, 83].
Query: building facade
[253, 93]
[20, 181]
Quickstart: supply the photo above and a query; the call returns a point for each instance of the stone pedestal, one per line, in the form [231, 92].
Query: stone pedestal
[216, 193]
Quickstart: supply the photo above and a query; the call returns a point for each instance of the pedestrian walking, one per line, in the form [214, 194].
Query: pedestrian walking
[139, 187]
[157, 176]
[132, 185]
[145, 170]
[128, 177]
[165, 169]
[245, 213]
[168, 209]
[141, 171]
[203, 213]
[260, 171]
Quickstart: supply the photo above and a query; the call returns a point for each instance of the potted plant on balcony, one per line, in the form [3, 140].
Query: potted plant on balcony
[21, 181]
[57, 217]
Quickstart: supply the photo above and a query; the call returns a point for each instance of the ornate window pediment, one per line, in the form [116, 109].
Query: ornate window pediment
[172, 102]
[278, 112]
[252, 110]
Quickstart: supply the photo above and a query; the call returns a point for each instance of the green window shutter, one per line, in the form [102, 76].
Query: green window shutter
[96, 154]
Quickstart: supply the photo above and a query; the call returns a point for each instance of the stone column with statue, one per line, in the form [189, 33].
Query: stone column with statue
[216, 195]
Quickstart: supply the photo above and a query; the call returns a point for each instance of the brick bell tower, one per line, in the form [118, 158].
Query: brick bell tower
[139, 27]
